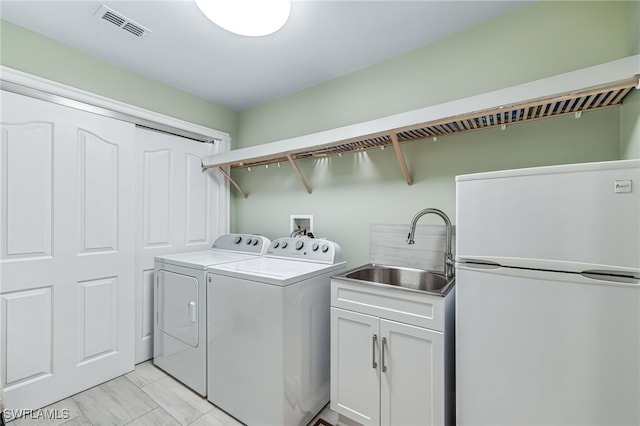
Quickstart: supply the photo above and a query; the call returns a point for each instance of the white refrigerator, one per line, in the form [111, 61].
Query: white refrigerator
[548, 296]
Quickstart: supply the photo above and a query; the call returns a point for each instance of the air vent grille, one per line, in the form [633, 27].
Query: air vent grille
[121, 21]
[133, 29]
[113, 18]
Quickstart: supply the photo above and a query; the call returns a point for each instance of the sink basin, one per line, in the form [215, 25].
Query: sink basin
[413, 279]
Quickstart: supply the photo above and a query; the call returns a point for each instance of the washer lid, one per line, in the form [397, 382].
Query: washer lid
[274, 271]
[202, 259]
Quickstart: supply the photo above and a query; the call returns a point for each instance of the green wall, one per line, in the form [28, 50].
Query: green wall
[35, 54]
[630, 110]
[533, 42]
[630, 126]
[351, 192]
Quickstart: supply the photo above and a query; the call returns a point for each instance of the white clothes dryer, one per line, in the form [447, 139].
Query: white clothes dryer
[179, 338]
[269, 332]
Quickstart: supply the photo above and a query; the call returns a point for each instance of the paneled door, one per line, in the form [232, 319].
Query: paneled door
[411, 386]
[178, 208]
[66, 250]
[355, 366]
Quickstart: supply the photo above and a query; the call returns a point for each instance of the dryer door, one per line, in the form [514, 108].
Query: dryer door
[178, 306]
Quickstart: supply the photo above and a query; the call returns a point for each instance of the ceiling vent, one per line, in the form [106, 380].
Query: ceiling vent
[121, 21]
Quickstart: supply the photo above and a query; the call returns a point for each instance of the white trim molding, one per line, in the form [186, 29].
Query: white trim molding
[24, 83]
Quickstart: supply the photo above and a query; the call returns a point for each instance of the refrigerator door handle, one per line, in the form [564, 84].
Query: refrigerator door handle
[613, 276]
[478, 264]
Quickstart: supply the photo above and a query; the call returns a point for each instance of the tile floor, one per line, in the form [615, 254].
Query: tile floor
[145, 396]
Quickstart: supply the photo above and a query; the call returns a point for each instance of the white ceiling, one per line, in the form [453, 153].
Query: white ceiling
[322, 39]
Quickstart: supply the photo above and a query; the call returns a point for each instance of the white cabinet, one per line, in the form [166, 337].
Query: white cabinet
[388, 372]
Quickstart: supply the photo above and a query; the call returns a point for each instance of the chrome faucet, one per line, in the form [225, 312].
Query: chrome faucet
[448, 255]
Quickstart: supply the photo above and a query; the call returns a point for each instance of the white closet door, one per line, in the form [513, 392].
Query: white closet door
[178, 208]
[66, 250]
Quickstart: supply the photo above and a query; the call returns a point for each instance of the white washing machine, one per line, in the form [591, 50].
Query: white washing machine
[268, 332]
[179, 337]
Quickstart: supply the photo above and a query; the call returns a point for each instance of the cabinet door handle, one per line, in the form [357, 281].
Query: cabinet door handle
[384, 343]
[374, 342]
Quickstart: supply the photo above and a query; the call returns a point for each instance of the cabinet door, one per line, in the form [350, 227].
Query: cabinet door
[355, 363]
[412, 382]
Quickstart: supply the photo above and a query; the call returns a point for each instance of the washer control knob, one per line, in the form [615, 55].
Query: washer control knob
[237, 239]
[255, 242]
[284, 244]
[314, 246]
[325, 248]
[299, 245]
[249, 241]
[276, 244]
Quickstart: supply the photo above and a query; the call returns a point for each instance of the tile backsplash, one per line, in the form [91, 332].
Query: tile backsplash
[388, 246]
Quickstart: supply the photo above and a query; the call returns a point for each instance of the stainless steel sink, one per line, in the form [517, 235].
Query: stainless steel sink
[413, 279]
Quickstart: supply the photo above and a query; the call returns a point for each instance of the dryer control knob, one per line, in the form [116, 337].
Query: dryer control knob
[249, 241]
[314, 246]
[255, 242]
[325, 248]
[299, 245]
[284, 244]
[276, 244]
[237, 239]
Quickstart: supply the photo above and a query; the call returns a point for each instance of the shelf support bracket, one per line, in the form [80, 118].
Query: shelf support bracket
[300, 175]
[403, 164]
[233, 182]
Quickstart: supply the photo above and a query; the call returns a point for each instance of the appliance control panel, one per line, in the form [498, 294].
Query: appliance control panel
[245, 243]
[308, 249]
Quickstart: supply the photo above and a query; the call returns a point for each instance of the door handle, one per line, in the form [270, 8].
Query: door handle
[384, 343]
[613, 276]
[192, 311]
[374, 343]
[156, 300]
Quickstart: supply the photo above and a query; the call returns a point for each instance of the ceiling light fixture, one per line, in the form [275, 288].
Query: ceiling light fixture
[253, 18]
